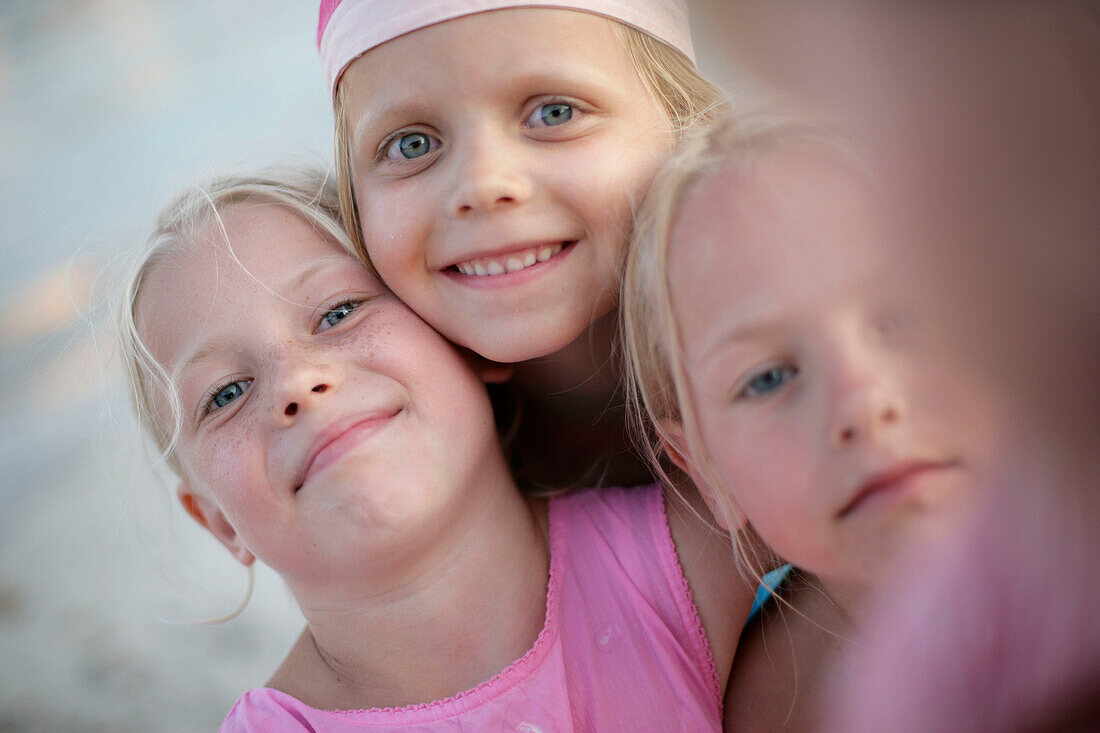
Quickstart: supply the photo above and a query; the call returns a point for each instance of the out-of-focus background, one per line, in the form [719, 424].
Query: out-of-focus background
[107, 107]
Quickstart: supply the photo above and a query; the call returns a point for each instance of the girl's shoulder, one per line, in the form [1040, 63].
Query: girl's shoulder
[623, 584]
[608, 539]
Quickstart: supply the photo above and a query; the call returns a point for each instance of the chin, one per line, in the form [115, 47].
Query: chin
[524, 346]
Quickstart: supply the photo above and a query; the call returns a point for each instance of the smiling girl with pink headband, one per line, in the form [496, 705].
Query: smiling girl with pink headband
[490, 155]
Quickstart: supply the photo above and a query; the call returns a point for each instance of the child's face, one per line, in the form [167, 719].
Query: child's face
[324, 418]
[495, 159]
[820, 398]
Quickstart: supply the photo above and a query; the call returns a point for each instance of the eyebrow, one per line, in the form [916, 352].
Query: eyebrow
[746, 330]
[322, 263]
[217, 343]
[223, 341]
[562, 78]
[208, 349]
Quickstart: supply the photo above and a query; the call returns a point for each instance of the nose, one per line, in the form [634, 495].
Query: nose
[864, 413]
[300, 389]
[865, 420]
[490, 176]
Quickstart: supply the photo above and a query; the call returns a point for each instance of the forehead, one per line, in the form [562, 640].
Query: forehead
[254, 251]
[259, 242]
[262, 236]
[781, 230]
[470, 51]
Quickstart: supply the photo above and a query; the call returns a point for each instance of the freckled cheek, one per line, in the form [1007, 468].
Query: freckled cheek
[232, 464]
[374, 339]
[362, 350]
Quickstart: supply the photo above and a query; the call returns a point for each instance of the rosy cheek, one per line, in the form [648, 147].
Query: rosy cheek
[768, 458]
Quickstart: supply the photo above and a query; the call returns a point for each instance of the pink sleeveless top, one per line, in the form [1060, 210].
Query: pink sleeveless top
[622, 648]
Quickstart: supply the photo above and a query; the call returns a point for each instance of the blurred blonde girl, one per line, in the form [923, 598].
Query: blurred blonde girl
[777, 356]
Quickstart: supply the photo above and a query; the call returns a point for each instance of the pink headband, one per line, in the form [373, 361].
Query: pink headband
[349, 28]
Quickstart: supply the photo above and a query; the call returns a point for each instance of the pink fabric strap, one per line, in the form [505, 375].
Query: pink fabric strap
[349, 28]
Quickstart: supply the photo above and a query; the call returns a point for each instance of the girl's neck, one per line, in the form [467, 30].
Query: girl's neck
[787, 660]
[572, 429]
[578, 380]
[468, 611]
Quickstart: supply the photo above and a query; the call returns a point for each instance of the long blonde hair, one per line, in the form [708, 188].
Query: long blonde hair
[686, 97]
[656, 381]
[307, 191]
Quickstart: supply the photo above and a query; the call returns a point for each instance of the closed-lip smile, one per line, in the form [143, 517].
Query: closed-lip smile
[890, 479]
[340, 437]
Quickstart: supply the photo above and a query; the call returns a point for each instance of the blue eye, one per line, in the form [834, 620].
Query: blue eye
[549, 115]
[333, 316]
[768, 381]
[411, 145]
[227, 394]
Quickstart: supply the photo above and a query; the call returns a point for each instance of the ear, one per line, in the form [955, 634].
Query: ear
[676, 447]
[674, 444]
[206, 512]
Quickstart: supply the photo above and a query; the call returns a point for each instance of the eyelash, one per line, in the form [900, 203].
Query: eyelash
[575, 110]
[743, 391]
[354, 303]
[208, 407]
[382, 153]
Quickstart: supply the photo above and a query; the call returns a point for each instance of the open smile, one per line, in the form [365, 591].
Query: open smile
[511, 262]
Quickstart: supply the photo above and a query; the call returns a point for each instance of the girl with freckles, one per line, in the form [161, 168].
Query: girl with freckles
[317, 424]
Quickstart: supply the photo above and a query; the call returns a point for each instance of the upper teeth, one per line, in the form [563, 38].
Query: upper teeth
[510, 263]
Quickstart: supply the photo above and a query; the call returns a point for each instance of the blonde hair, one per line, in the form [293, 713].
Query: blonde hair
[307, 191]
[656, 382]
[686, 97]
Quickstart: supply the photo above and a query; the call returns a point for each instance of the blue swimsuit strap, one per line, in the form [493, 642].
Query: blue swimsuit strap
[769, 584]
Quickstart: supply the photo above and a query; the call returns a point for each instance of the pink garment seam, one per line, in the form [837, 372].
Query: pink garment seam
[681, 592]
[558, 549]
